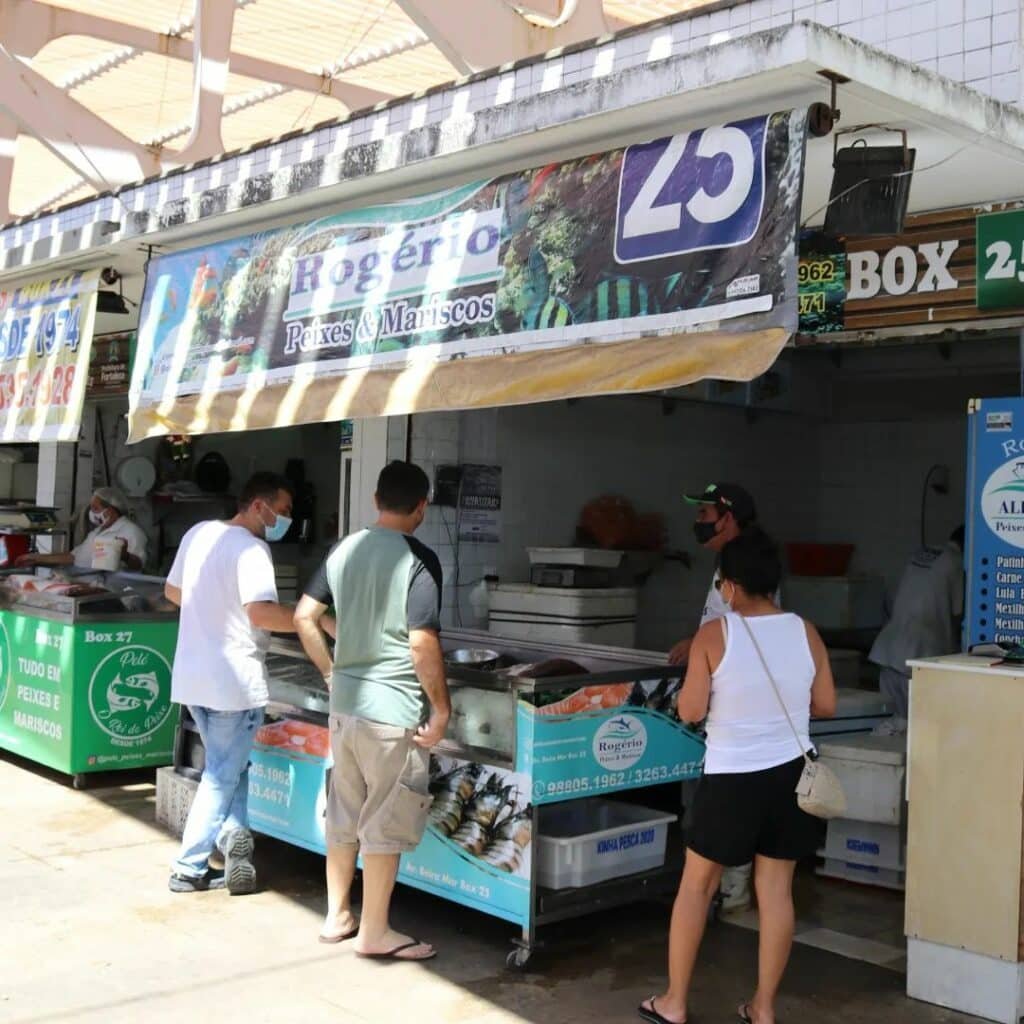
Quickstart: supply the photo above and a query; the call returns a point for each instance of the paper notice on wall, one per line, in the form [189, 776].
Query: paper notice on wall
[480, 505]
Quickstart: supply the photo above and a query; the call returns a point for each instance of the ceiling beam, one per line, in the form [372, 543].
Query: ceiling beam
[92, 148]
[454, 27]
[37, 24]
[211, 58]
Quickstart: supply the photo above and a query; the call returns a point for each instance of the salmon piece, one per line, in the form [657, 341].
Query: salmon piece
[590, 698]
[296, 737]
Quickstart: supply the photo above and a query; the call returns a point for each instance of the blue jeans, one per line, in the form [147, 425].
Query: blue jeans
[221, 801]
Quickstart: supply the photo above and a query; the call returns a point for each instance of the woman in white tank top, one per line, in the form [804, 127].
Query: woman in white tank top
[746, 808]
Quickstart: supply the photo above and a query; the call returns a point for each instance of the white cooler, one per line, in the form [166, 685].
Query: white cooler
[872, 770]
[584, 615]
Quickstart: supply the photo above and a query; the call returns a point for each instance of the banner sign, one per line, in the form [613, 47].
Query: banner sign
[994, 557]
[110, 365]
[675, 235]
[1001, 260]
[45, 337]
[946, 267]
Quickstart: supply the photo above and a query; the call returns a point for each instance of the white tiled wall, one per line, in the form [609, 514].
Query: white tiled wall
[973, 41]
[852, 476]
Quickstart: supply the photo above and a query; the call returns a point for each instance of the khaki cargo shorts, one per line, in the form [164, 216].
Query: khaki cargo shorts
[380, 787]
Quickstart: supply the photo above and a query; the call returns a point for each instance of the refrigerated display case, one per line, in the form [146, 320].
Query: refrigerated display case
[85, 678]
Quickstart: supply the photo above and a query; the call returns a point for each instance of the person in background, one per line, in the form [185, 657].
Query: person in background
[223, 581]
[724, 511]
[108, 518]
[389, 706]
[746, 806]
[923, 623]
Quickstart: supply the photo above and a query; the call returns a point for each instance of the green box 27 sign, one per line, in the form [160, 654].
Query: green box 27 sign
[1000, 259]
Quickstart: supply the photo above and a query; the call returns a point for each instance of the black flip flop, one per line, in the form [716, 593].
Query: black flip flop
[744, 1015]
[652, 1014]
[330, 940]
[392, 954]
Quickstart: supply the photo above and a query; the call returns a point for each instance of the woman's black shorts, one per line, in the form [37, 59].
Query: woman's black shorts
[738, 815]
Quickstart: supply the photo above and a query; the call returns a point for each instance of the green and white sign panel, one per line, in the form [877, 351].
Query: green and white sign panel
[1000, 256]
[87, 698]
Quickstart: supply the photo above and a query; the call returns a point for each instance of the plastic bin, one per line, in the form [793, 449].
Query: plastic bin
[865, 874]
[866, 842]
[174, 796]
[819, 559]
[586, 841]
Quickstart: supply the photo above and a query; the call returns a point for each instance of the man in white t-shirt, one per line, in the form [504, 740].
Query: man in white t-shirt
[223, 581]
[108, 518]
[724, 511]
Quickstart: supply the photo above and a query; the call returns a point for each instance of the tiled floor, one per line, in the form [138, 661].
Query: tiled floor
[860, 922]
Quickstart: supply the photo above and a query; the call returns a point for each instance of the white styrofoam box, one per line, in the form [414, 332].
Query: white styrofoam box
[865, 874]
[866, 842]
[837, 602]
[581, 842]
[596, 557]
[845, 666]
[598, 615]
[963, 980]
[872, 771]
[174, 796]
[857, 711]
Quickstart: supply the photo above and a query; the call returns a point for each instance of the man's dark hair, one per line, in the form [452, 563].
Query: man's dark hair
[401, 486]
[265, 486]
[957, 536]
[752, 560]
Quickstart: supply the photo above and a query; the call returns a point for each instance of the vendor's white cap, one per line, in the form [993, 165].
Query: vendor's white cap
[113, 497]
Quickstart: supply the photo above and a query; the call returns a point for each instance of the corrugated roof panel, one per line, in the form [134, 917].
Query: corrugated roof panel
[276, 116]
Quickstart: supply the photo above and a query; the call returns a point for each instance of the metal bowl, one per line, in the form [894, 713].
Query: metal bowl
[473, 657]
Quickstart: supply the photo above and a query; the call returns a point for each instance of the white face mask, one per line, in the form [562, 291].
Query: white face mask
[97, 518]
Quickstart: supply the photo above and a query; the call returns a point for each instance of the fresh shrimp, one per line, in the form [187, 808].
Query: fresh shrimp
[510, 837]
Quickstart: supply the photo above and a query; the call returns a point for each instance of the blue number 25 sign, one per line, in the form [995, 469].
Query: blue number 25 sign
[699, 190]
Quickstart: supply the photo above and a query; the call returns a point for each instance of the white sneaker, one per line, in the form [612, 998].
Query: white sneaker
[735, 889]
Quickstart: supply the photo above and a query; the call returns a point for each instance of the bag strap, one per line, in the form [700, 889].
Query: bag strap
[771, 679]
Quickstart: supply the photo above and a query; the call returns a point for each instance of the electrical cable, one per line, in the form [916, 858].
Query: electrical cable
[341, 62]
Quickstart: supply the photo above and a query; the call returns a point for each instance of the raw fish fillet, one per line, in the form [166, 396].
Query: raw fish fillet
[296, 737]
[590, 698]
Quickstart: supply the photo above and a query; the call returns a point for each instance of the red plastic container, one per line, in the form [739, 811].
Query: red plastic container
[12, 547]
[819, 559]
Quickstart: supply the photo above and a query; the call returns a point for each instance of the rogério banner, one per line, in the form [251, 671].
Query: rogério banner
[474, 295]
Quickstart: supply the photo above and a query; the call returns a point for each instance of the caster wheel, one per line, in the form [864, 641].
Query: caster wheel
[78, 781]
[517, 959]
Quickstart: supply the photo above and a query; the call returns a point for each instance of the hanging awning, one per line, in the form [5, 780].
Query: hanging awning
[46, 332]
[636, 269]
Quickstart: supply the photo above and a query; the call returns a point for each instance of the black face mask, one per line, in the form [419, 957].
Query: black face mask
[704, 532]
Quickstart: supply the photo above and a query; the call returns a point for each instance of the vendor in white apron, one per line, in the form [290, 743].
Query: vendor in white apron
[107, 516]
[929, 600]
[724, 511]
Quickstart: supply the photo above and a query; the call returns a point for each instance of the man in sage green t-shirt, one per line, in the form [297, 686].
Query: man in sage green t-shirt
[389, 705]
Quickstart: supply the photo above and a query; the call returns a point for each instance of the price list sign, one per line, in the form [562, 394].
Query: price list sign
[45, 339]
[995, 522]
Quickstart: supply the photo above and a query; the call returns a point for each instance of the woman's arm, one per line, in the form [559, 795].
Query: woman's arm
[823, 689]
[705, 654]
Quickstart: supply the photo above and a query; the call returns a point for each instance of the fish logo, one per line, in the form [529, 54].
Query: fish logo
[1002, 503]
[620, 742]
[130, 693]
